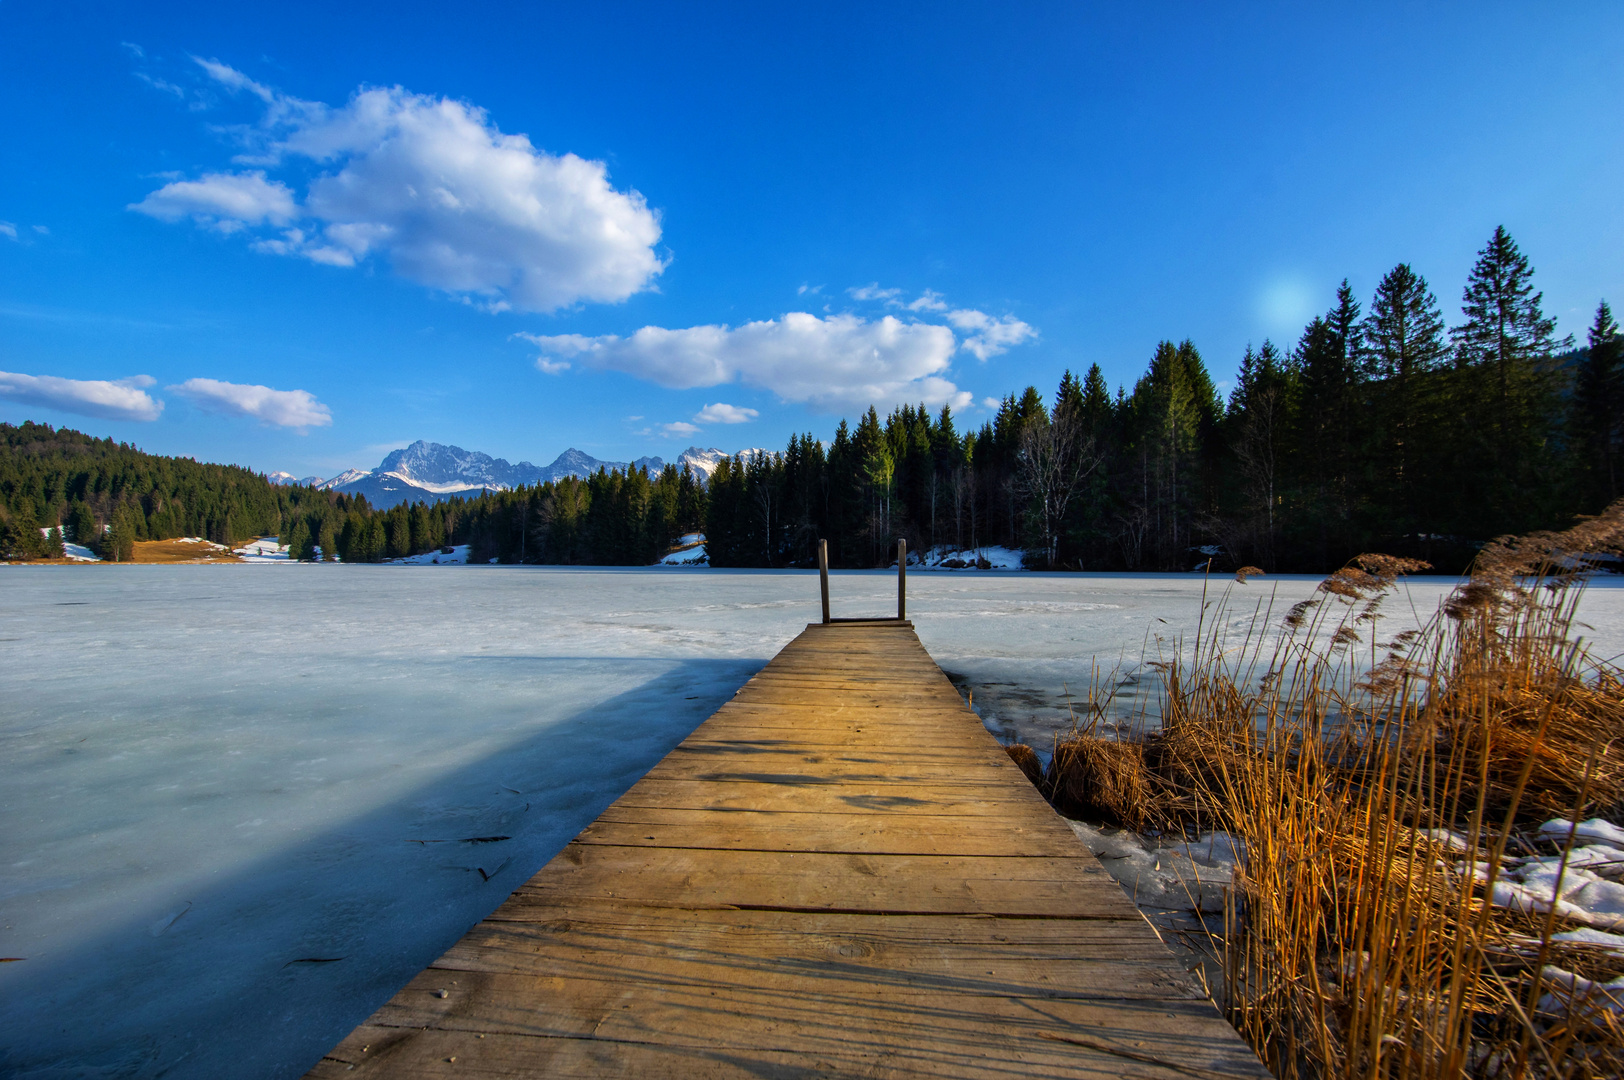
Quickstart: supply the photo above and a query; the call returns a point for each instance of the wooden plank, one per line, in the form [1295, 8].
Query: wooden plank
[839, 873]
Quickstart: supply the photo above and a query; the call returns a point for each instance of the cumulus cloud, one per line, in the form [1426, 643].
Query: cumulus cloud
[278, 408]
[721, 413]
[124, 399]
[986, 336]
[225, 201]
[840, 362]
[434, 187]
[552, 367]
[678, 430]
[928, 301]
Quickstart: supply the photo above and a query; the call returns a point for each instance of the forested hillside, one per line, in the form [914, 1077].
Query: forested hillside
[1380, 429]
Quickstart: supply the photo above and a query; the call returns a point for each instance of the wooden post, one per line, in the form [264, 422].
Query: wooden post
[823, 575]
[902, 579]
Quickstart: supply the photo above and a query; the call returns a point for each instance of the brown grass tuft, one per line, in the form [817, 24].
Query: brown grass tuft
[1027, 758]
[1100, 779]
[1370, 788]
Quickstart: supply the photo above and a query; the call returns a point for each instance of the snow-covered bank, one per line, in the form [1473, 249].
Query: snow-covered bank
[688, 551]
[451, 555]
[262, 551]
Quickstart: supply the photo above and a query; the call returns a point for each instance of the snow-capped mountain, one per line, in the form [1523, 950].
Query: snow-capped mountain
[429, 472]
[342, 480]
[283, 478]
[703, 462]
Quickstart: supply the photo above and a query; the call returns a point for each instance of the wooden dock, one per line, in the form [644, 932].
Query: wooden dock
[839, 873]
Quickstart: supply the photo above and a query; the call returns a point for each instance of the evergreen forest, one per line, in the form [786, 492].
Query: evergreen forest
[1381, 428]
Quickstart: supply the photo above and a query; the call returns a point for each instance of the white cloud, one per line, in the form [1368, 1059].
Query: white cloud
[991, 403]
[121, 400]
[225, 201]
[841, 362]
[986, 336]
[42, 230]
[804, 289]
[8, 229]
[721, 413]
[437, 189]
[872, 291]
[232, 79]
[552, 367]
[928, 300]
[678, 430]
[280, 408]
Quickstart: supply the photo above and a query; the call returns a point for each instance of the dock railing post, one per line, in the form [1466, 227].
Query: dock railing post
[823, 575]
[902, 579]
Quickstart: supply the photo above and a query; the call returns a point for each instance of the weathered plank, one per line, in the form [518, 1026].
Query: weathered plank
[839, 873]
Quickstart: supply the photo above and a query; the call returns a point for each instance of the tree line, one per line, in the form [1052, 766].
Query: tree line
[1380, 429]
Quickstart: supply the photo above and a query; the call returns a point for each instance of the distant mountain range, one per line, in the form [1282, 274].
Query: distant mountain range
[429, 472]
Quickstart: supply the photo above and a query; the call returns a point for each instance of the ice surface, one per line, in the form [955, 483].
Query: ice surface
[241, 806]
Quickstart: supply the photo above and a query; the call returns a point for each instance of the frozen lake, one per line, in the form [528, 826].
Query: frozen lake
[243, 805]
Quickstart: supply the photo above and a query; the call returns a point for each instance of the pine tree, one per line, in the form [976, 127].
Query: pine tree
[82, 524]
[1260, 417]
[327, 539]
[54, 548]
[119, 543]
[1505, 393]
[1598, 411]
[1172, 419]
[1324, 473]
[23, 539]
[1402, 346]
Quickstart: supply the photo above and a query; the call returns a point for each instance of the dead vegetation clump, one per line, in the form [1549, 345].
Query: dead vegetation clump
[1385, 790]
[1100, 780]
[1028, 761]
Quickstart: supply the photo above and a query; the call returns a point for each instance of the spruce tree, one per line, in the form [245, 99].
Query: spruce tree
[53, 544]
[1598, 411]
[1506, 394]
[24, 539]
[327, 539]
[119, 543]
[1402, 345]
[82, 524]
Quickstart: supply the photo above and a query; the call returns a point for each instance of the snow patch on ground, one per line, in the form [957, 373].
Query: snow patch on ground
[457, 556]
[944, 557]
[262, 551]
[1584, 884]
[1167, 874]
[689, 551]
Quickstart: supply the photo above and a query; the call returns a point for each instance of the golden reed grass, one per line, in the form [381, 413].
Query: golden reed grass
[1367, 775]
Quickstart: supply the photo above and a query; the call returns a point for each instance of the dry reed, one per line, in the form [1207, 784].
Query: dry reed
[1377, 794]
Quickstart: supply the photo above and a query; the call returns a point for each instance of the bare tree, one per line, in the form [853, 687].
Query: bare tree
[1054, 459]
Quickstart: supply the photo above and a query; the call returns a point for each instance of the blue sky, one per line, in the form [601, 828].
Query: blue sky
[294, 238]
